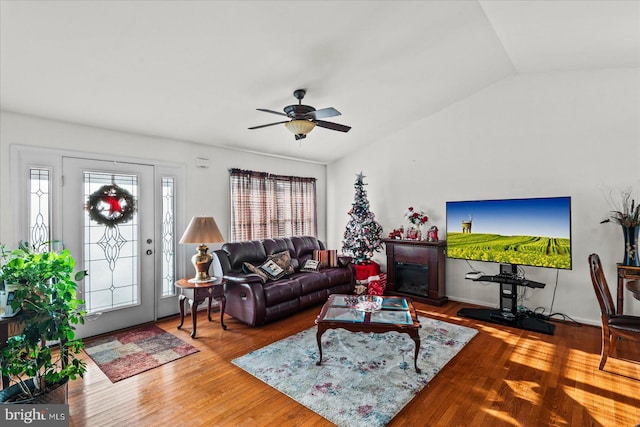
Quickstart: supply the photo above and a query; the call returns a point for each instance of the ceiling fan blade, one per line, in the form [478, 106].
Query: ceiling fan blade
[332, 126]
[324, 113]
[270, 124]
[272, 112]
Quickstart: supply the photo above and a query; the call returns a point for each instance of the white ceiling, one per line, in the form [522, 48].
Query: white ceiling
[197, 70]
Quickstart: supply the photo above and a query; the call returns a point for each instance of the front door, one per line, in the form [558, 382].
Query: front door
[118, 255]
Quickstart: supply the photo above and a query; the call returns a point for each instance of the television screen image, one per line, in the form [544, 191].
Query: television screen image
[534, 232]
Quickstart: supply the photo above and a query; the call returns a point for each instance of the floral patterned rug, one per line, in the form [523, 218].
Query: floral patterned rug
[365, 379]
[129, 353]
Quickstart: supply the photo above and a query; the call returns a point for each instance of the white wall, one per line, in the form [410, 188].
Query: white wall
[533, 135]
[207, 189]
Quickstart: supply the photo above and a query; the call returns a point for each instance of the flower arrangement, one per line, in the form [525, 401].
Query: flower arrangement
[626, 212]
[415, 217]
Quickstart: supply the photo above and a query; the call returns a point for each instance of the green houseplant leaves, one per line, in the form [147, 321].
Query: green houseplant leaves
[46, 293]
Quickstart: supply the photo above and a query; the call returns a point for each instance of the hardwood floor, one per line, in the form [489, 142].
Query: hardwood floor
[504, 376]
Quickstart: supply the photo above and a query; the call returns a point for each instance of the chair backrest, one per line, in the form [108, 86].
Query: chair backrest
[600, 286]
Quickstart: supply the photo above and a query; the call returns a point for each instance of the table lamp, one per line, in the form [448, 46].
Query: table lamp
[202, 230]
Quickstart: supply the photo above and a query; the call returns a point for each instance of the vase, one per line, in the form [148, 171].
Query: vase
[631, 257]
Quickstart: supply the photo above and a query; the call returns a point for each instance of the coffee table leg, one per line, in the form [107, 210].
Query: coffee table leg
[319, 339]
[416, 340]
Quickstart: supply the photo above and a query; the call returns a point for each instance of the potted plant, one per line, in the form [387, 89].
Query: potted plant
[46, 294]
[627, 213]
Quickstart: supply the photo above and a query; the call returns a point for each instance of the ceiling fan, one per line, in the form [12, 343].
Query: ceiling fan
[303, 118]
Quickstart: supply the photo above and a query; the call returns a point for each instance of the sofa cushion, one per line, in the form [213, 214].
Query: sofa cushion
[280, 244]
[273, 270]
[327, 258]
[304, 247]
[249, 251]
[310, 283]
[283, 259]
[337, 275]
[311, 265]
[255, 270]
[314, 298]
[280, 291]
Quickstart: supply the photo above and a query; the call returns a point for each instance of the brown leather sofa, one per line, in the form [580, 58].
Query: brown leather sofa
[254, 302]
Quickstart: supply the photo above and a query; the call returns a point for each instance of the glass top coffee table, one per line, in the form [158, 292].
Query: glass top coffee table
[396, 314]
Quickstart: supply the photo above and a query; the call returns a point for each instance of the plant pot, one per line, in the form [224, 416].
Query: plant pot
[57, 395]
[631, 257]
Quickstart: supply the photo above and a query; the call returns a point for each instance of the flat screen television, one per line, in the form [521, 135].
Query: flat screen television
[533, 232]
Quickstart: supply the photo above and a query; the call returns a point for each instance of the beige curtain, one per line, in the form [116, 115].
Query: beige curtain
[264, 205]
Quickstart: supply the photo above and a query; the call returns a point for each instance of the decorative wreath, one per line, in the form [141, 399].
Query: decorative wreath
[111, 205]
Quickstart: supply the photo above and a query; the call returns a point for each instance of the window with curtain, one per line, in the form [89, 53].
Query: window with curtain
[265, 205]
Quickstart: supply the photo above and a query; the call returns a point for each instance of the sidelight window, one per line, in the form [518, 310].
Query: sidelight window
[40, 208]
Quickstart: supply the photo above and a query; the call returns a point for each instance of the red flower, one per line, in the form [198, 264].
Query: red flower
[415, 217]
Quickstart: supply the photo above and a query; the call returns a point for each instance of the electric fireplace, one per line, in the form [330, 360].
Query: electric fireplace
[416, 269]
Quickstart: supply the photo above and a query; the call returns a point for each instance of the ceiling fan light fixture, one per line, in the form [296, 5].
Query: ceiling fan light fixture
[300, 127]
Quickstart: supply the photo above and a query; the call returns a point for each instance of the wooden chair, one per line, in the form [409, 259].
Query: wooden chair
[614, 326]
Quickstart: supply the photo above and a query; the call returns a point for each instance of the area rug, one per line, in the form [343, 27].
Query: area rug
[129, 353]
[365, 379]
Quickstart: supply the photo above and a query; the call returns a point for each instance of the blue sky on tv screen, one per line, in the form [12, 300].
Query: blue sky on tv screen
[546, 217]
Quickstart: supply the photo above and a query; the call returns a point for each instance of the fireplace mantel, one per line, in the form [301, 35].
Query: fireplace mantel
[427, 257]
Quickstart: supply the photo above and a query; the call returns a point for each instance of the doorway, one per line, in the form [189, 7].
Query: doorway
[120, 289]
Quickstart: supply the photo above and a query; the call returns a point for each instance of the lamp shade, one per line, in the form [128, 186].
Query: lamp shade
[202, 229]
[300, 127]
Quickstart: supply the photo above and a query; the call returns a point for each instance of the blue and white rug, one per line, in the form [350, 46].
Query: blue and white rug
[365, 379]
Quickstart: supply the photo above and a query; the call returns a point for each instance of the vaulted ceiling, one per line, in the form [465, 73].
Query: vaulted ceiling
[197, 70]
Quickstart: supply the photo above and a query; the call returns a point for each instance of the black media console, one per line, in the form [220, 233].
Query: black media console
[508, 313]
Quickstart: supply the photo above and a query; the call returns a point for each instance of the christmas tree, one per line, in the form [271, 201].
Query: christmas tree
[363, 234]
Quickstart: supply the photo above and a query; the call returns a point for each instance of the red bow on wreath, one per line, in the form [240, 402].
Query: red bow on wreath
[120, 205]
[114, 204]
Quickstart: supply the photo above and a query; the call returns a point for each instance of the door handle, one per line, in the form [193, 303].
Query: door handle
[149, 251]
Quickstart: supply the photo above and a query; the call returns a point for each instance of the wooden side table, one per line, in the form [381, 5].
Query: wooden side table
[625, 272]
[196, 293]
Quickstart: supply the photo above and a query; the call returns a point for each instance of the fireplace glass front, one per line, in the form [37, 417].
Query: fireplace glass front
[412, 278]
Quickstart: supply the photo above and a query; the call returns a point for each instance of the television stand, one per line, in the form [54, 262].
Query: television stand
[508, 314]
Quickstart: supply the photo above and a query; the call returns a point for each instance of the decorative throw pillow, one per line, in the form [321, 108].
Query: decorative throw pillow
[327, 258]
[273, 270]
[283, 259]
[253, 269]
[311, 265]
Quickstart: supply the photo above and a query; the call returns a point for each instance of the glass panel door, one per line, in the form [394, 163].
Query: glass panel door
[108, 224]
